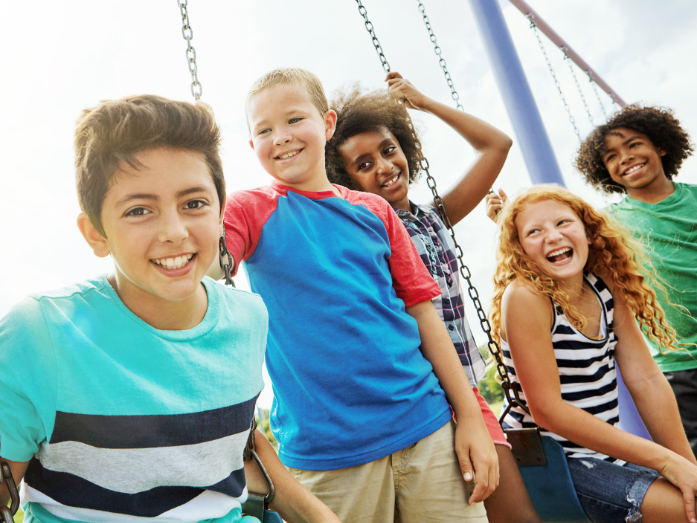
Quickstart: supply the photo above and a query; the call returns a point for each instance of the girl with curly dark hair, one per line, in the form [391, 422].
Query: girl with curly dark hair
[638, 152]
[375, 149]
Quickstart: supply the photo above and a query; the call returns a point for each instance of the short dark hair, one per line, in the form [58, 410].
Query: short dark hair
[658, 123]
[116, 130]
[359, 112]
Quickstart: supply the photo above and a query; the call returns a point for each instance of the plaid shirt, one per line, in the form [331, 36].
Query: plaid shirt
[435, 246]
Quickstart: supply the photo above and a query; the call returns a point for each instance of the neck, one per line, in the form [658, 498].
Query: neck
[159, 312]
[402, 205]
[656, 191]
[318, 183]
[572, 286]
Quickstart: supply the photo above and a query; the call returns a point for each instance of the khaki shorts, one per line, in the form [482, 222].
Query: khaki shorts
[419, 484]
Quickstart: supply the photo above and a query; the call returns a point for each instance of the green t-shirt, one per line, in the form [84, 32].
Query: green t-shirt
[668, 230]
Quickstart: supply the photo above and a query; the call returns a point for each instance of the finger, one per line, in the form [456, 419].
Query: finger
[504, 197]
[392, 74]
[689, 497]
[481, 487]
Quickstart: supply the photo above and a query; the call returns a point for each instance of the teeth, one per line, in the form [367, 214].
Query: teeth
[634, 169]
[288, 155]
[173, 263]
[392, 181]
[558, 252]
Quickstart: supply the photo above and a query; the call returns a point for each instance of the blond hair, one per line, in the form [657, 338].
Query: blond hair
[611, 254]
[290, 76]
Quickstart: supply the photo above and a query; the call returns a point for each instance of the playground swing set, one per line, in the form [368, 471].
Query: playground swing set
[540, 458]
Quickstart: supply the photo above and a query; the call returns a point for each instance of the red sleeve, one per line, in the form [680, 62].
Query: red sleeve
[410, 277]
[246, 212]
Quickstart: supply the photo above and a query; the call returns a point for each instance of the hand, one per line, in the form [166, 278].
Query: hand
[494, 203]
[683, 474]
[478, 459]
[401, 89]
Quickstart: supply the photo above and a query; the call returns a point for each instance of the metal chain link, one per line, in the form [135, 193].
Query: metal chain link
[188, 34]
[441, 60]
[597, 94]
[508, 387]
[578, 86]
[533, 26]
[376, 43]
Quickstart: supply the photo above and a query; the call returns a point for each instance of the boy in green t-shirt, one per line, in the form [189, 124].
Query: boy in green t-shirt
[637, 153]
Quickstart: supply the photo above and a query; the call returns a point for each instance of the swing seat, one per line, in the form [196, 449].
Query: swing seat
[550, 487]
[255, 506]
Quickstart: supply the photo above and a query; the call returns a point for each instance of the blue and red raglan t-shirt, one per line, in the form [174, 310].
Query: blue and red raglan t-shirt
[349, 381]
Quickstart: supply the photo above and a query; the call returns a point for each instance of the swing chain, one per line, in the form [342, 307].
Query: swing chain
[533, 26]
[578, 86]
[597, 94]
[188, 34]
[441, 61]
[506, 384]
[7, 513]
[376, 43]
[224, 258]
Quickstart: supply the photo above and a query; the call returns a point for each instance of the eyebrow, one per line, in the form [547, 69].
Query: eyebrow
[382, 144]
[607, 151]
[145, 196]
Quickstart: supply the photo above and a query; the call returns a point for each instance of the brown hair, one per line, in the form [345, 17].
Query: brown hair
[658, 123]
[116, 130]
[359, 112]
[611, 254]
[290, 76]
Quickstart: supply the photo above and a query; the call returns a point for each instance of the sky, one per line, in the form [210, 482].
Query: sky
[62, 57]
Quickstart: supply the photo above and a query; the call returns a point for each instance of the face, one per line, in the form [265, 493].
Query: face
[632, 160]
[554, 237]
[162, 225]
[289, 135]
[376, 163]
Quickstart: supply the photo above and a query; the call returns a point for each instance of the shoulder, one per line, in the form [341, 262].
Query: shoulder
[522, 298]
[688, 187]
[234, 296]
[377, 204]
[260, 195]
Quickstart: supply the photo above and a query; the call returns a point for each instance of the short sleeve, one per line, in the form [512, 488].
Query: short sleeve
[410, 277]
[27, 381]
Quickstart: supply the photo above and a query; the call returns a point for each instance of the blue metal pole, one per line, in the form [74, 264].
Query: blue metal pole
[522, 110]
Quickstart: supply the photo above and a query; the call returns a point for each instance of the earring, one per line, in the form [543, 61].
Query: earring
[224, 259]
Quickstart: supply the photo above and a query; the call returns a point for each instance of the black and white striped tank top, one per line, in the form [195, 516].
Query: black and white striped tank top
[586, 371]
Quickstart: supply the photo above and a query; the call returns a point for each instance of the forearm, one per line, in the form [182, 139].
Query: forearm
[593, 433]
[655, 402]
[438, 349]
[292, 501]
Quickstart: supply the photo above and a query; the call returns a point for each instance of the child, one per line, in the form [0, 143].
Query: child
[637, 153]
[567, 292]
[360, 363]
[375, 150]
[131, 395]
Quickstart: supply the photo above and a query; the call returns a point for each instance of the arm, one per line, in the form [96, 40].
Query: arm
[490, 144]
[526, 317]
[495, 203]
[293, 502]
[473, 444]
[18, 469]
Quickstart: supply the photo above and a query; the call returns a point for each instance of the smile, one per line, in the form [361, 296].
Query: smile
[634, 169]
[287, 155]
[391, 181]
[173, 263]
[560, 255]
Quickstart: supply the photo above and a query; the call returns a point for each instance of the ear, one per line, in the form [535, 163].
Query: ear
[661, 152]
[92, 236]
[329, 123]
[251, 143]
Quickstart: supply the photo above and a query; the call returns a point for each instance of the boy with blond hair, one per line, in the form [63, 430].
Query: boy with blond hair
[363, 369]
[130, 395]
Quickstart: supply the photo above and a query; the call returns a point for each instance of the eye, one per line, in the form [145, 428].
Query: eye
[634, 143]
[263, 131]
[363, 166]
[294, 120]
[389, 149]
[532, 231]
[562, 221]
[137, 211]
[610, 157]
[196, 204]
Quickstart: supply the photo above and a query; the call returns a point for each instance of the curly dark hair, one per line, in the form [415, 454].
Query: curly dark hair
[360, 111]
[658, 123]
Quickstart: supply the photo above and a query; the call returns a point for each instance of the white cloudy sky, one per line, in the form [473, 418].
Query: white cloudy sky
[60, 57]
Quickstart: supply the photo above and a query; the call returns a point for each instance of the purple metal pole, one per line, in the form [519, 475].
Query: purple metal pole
[517, 97]
[573, 55]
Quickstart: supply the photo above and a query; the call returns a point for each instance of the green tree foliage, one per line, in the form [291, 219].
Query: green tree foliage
[489, 387]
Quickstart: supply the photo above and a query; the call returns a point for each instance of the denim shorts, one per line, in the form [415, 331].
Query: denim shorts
[610, 493]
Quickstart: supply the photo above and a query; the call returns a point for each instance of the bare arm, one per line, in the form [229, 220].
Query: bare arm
[293, 502]
[526, 316]
[216, 271]
[490, 144]
[472, 441]
[18, 469]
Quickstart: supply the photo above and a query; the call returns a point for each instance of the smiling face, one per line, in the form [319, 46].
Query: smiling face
[554, 237]
[634, 161]
[289, 135]
[377, 164]
[162, 224]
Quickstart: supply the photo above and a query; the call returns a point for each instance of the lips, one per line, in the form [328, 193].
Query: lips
[288, 154]
[173, 262]
[391, 181]
[633, 169]
[559, 255]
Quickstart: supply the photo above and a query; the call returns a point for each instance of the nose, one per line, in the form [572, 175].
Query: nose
[626, 155]
[172, 228]
[552, 236]
[383, 166]
[282, 136]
